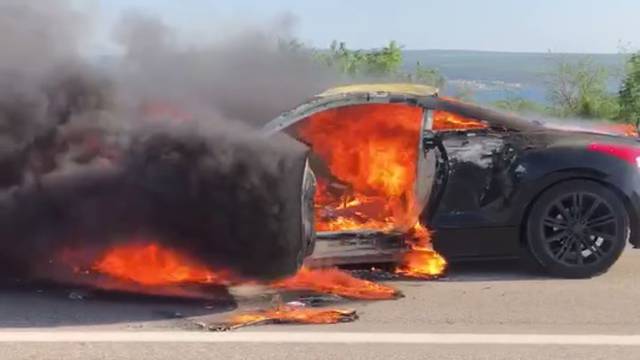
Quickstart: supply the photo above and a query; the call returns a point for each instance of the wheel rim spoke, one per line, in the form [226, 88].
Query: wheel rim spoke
[557, 237]
[598, 234]
[576, 204]
[564, 250]
[601, 221]
[555, 223]
[595, 250]
[596, 203]
[566, 214]
[574, 249]
[591, 245]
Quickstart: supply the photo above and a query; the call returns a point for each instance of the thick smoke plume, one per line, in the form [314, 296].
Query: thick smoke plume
[158, 143]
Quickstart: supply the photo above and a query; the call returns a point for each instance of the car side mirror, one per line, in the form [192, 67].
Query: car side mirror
[431, 140]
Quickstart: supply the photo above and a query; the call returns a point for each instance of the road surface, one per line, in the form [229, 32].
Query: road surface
[480, 311]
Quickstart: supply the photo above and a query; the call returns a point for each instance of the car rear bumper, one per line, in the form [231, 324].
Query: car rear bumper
[629, 186]
[633, 208]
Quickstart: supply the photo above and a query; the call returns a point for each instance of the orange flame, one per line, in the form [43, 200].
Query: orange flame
[291, 314]
[371, 152]
[336, 282]
[153, 265]
[421, 261]
[443, 120]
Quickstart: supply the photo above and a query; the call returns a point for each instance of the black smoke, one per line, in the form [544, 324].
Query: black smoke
[159, 144]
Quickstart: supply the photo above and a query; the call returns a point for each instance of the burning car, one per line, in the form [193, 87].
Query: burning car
[389, 157]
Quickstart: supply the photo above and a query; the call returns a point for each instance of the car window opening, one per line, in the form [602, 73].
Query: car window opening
[447, 121]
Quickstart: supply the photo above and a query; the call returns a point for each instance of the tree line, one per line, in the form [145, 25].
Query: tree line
[574, 89]
[579, 89]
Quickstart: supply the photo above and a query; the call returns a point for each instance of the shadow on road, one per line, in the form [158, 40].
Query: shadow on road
[50, 305]
[461, 271]
[496, 270]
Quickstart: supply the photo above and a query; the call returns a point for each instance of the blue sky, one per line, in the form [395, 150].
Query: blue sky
[504, 25]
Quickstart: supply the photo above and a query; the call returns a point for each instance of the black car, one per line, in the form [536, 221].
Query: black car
[486, 183]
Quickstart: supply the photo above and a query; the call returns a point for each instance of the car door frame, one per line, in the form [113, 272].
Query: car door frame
[488, 242]
[363, 246]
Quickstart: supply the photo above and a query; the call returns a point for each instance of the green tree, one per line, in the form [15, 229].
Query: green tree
[629, 94]
[376, 63]
[427, 76]
[579, 89]
[384, 63]
[340, 58]
[519, 104]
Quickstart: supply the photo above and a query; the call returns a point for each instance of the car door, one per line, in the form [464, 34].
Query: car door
[477, 181]
[369, 153]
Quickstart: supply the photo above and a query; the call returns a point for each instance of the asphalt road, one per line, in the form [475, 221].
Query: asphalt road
[480, 311]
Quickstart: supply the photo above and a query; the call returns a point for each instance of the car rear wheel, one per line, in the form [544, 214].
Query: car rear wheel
[577, 229]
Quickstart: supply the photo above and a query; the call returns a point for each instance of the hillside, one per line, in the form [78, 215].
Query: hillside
[493, 75]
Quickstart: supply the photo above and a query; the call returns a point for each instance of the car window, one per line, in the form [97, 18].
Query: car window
[445, 120]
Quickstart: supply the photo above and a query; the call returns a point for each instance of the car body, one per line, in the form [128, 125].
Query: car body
[480, 184]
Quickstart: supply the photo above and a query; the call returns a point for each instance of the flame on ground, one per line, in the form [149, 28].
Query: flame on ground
[292, 315]
[336, 282]
[153, 265]
[421, 261]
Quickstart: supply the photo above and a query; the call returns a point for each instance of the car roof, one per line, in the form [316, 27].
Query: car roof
[388, 88]
[417, 94]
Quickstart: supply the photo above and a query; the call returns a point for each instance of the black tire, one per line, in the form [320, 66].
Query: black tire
[577, 229]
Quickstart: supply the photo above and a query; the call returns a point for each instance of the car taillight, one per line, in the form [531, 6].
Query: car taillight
[630, 154]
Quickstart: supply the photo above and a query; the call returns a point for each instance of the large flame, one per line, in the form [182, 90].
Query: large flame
[153, 265]
[367, 180]
[370, 152]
